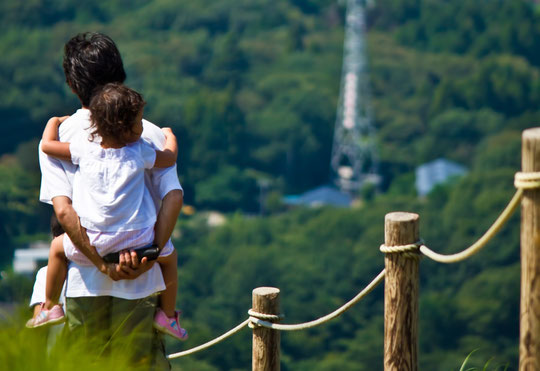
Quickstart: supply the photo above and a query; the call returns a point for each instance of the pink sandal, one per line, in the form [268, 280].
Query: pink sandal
[170, 325]
[47, 317]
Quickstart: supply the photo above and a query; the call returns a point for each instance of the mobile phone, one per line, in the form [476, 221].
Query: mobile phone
[151, 252]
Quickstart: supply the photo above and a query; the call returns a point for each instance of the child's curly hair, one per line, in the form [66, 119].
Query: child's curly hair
[114, 109]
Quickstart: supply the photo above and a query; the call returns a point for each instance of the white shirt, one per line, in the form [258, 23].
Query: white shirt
[108, 188]
[57, 180]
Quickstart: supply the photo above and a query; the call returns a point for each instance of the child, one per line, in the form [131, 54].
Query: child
[110, 197]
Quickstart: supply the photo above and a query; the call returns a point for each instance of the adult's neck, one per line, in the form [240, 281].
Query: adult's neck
[111, 144]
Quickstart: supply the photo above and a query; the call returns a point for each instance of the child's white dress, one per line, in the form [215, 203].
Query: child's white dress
[111, 199]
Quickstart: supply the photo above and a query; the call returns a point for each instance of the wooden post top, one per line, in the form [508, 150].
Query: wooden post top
[401, 228]
[531, 133]
[530, 151]
[400, 217]
[263, 291]
[266, 300]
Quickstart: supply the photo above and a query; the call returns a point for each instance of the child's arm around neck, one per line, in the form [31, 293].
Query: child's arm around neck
[50, 143]
[168, 156]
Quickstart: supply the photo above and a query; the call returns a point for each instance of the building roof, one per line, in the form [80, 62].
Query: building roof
[436, 172]
[320, 196]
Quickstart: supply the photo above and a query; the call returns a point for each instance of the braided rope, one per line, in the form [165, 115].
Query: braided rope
[529, 180]
[210, 343]
[408, 251]
[478, 245]
[328, 317]
[259, 322]
[404, 248]
[522, 181]
[264, 317]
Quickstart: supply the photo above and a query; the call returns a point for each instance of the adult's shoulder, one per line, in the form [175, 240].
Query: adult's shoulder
[75, 125]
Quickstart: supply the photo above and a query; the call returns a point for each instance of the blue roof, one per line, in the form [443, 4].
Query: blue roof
[324, 195]
[436, 172]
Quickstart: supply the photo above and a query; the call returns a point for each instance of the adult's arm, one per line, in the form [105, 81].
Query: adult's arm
[69, 220]
[164, 188]
[167, 216]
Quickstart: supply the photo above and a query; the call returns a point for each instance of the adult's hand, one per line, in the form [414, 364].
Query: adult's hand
[112, 270]
[129, 266]
[117, 272]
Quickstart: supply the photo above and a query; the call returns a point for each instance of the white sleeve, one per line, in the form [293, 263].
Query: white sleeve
[148, 154]
[54, 179]
[165, 180]
[76, 149]
[162, 180]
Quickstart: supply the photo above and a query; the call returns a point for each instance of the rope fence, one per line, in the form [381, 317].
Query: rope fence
[256, 320]
[211, 343]
[523, 181]
[261, 319]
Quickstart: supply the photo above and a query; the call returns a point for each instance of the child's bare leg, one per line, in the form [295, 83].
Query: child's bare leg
[166, 220]
[56, 272]
[169, 270]
[37, 309]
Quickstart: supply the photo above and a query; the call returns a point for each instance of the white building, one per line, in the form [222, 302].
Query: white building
[436, 172]
[27, 261]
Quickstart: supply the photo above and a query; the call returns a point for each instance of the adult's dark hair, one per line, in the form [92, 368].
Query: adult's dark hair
[91, 60]
[113, 111]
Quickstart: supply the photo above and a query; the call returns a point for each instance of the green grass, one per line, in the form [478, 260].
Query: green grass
[40, 349]
[484, 368]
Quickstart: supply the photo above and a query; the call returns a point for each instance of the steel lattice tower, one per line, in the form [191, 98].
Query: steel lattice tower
[354, 157]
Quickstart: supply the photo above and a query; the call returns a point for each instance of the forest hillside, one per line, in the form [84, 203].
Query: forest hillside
[251, 88]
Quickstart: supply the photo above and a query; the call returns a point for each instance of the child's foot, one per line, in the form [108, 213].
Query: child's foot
[47, 317]
[170, 325]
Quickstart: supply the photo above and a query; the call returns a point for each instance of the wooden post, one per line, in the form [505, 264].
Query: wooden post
[401, 294]
[265, 341]
[529, 337]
